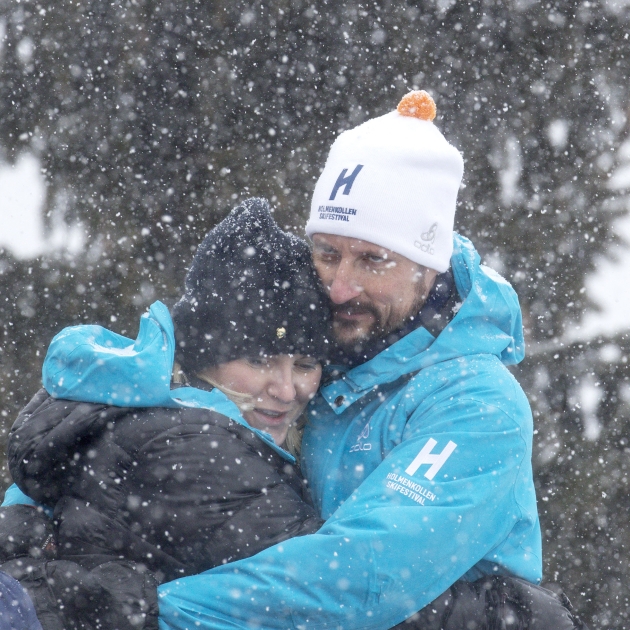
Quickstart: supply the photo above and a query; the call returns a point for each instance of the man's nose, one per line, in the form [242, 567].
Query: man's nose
[281, 385]
[344, 285]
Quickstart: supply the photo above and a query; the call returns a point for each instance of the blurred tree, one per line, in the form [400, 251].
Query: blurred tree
[151, 119]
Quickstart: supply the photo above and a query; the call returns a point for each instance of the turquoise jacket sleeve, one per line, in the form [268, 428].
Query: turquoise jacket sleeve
[395, 544]
[14, 496]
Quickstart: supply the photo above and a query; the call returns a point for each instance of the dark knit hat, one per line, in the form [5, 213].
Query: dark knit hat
[251, 289]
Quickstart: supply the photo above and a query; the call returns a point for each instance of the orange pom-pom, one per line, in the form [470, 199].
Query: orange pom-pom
[418, 104]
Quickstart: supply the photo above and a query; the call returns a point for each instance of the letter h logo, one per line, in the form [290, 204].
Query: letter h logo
[344, 181]
[425, 456]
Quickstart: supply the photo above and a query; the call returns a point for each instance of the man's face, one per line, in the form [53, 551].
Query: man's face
[372, 289]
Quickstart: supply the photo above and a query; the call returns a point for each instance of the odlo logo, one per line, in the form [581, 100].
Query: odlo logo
[426, 456]
[427, 240]
[364, 435]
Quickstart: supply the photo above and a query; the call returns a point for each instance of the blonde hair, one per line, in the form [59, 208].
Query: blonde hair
[293, 441]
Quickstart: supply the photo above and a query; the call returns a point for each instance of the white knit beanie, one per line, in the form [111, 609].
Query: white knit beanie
[392, 181]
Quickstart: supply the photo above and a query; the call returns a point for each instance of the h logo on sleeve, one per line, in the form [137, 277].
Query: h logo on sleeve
[425, 456]
[346, 182]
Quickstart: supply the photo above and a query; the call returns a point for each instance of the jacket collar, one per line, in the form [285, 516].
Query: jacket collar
[488, 322]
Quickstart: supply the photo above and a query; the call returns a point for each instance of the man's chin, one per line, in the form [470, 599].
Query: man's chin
[356, 343]
[349, 334]
[351, 341]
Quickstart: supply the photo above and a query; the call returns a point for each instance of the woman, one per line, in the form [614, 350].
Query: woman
[150, 482]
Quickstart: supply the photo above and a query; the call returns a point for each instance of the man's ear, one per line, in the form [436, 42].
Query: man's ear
[426, 277]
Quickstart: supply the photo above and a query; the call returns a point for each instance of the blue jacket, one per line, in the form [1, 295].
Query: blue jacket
[420, 459]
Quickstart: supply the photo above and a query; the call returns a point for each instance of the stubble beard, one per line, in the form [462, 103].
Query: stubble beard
[352, 341]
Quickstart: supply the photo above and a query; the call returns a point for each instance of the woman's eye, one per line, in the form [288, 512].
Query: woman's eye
[307, 365]
[327, 255]
[257, 362]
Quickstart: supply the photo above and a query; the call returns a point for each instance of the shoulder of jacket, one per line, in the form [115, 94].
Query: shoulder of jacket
[472, 366]
[153, 421]
[206, 423]
[479, 378]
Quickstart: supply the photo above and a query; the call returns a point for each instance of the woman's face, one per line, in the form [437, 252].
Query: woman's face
[280, 385]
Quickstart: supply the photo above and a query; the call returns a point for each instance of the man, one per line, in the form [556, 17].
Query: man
[418, 447]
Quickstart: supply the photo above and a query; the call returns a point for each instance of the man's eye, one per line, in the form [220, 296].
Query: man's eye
[373, 258]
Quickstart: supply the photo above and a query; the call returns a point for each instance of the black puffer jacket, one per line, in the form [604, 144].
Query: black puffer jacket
[143, 496]
[177, 491]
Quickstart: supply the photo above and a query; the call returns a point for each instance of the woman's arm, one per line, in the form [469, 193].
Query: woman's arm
[45, 437]
[210, 492]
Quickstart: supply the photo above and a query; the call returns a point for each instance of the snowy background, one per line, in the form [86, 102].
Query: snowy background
[25, 235]
[24, 232]
[129, 128]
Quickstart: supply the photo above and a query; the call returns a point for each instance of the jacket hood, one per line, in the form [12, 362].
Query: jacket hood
[93, 364]
[487, 322]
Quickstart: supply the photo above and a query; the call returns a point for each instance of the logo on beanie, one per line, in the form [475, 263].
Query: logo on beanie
[333, 213]
[344, 181]
[427, 240]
